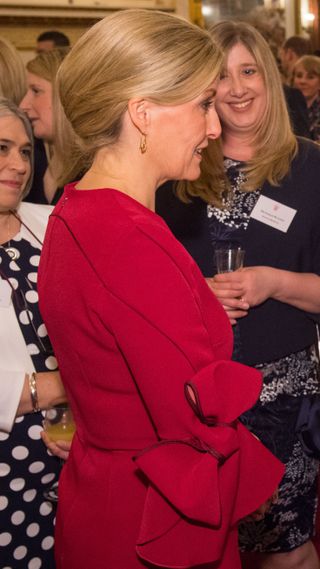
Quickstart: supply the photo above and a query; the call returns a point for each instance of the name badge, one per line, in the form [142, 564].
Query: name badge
[273, 213]
[5, 293]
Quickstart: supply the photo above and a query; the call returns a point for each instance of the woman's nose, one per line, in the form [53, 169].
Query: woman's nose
[25, 103]
[237, 86]
[213, 124]
[17, 162]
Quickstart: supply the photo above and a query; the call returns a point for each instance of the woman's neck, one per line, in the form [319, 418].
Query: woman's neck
[115, 174]
[237, 147]
[9, 226]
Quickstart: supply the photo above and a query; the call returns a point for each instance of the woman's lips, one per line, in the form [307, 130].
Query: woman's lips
[241, 105]
[11, 183]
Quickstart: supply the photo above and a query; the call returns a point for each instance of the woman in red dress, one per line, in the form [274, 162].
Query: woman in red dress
[160, 469]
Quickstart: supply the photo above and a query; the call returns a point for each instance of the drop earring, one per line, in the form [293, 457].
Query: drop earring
[143, 144]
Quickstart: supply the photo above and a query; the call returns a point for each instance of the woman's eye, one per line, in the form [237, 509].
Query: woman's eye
[26, 154]
[35, 90]
[249, 71]
[206, 105]
[3, 148]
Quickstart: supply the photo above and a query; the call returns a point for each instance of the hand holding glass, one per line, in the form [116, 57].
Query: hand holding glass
[229, 260]
[59, 424]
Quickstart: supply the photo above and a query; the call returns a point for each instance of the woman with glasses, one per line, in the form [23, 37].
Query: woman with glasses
[28, 369]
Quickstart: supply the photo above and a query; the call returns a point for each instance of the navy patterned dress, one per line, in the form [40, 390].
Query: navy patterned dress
[26, 468]
[290, 522]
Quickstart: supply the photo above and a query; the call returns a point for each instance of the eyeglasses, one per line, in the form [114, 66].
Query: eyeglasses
[19, 299]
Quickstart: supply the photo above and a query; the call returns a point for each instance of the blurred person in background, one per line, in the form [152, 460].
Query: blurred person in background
[298, 111]
[38, 104]
[291, 50]
[50, 40]
[29, 378]
[306, 78]
[13, 84]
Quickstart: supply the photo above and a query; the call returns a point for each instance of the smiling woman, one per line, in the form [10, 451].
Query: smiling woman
[28, 376]
[15, 154]
[242, 97]
[267, 202]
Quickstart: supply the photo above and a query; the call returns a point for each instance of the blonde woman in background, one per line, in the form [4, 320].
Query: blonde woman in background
[306, 78]
[154, 477]
[38, 104]
[13, 83]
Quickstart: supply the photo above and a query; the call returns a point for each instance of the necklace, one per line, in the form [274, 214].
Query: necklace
[11, 251]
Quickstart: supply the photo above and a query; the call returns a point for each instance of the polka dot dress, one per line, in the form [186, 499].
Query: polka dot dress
[26, 468]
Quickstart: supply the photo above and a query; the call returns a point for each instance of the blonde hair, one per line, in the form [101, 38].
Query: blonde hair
[311, 64]
[274, 142]
[47, 63]
[13, 84]
[132, 53]
[9, 109]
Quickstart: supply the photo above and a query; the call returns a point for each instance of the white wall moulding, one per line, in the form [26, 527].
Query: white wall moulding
[91, 4]
[22, 21]
[23, 3]
[76, 8]
[120, 4]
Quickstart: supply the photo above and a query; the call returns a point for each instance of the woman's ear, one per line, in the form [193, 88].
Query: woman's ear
[139, 112]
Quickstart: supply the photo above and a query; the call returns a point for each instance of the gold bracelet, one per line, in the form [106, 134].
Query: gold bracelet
[33, 392]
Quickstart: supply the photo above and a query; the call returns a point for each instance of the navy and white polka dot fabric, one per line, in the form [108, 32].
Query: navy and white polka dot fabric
[26, 468]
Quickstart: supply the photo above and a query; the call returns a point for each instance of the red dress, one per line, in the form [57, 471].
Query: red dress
[154, 475]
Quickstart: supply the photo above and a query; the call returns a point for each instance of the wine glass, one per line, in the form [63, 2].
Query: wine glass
[59, 425]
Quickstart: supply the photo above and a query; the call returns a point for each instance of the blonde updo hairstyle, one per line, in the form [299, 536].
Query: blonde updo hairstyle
[13, 84]
[9, 109]
[132, 53]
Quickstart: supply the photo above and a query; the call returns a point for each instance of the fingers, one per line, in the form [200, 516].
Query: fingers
[59, 452]
[234, 315]
[234, 303]
[60, 449]
[233, 297]
[232, 300]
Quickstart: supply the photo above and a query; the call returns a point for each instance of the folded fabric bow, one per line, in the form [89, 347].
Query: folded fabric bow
[203, 483]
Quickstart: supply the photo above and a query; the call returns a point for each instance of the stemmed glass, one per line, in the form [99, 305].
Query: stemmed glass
[59, 425]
